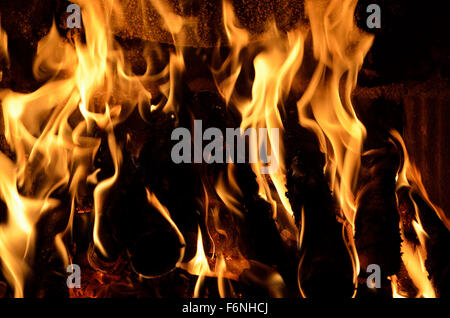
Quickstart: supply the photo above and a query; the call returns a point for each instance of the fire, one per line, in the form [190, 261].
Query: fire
[39, 127]
[88, 90]
[414, 259]
[414, 255]
[339, 47]
[166, 214]
[16, 234]
[199, 265]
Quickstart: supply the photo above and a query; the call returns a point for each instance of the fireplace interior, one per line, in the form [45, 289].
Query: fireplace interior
[88, 176]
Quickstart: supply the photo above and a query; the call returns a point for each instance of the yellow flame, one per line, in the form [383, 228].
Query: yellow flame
[414, 256]
[409, 176]
[52, 148]
[339, 48]
[199, 265]
[394, 284]
[152, 199]
[414, 259]
[228, 73]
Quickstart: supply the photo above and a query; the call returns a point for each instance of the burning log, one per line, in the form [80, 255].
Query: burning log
[405, 106]
[325, 266]
[131, 222]
[178, 187]
[419, 215]
[261, 240]
[258, 237]
[438, 240]
[377, 234]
